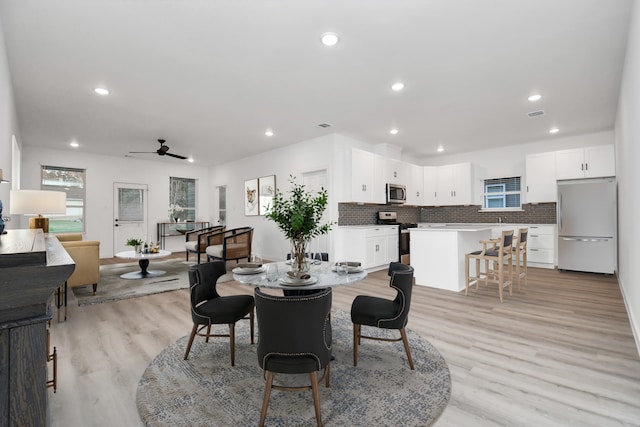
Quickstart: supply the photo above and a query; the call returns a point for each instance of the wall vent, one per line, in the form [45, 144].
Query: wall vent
[536, 113]
[324, 125]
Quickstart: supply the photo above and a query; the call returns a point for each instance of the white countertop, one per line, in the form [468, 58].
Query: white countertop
[368, 226]
[470, 227]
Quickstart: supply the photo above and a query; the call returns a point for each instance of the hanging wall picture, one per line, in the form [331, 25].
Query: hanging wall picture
[251, 197]
[266, 191]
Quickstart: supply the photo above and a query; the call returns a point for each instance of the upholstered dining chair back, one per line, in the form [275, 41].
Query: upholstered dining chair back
[295, 338]
[402, 281]
[208, 307]
[295, 332]
[384, 313]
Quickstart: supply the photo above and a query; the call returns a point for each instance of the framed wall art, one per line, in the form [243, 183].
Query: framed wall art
[266, 191]
[251, 197]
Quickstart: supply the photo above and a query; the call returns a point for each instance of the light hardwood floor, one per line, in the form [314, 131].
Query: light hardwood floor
[559, 352]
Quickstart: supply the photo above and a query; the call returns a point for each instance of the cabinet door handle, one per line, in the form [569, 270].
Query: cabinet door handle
[527, 188]
[582, 166]
[586, 166]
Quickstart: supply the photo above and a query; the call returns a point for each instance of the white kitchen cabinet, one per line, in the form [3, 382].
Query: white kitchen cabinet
[541, 178]
[589, 162]
[373, 246]
[415, 188]
[430, 189]
[454, 185]
[397, 172]
[367, 184]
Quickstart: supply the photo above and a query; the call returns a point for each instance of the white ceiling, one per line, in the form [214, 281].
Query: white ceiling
[210, 76]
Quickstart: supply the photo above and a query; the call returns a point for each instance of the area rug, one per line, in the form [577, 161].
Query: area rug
[113, 288]
[381, 391]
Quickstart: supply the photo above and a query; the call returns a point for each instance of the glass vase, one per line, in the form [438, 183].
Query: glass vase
[299, 260]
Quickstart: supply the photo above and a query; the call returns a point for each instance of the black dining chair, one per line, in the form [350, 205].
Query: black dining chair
[383, 313]
[209, 308]
[295, 338]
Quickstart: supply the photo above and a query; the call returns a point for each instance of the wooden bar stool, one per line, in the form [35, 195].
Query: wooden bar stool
[497, 255]
[520, 255]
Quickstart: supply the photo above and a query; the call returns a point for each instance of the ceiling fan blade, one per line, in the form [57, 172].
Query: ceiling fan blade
[142, 152]
[177, 156]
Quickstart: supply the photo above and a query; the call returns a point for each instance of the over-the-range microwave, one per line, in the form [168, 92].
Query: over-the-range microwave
[396, 193]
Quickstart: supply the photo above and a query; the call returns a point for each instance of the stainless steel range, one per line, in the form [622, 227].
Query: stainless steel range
[404, 244]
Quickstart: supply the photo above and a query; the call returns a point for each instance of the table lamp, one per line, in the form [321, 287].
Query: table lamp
[38, 202]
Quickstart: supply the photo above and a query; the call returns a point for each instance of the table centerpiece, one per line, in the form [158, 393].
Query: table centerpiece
[299, 218]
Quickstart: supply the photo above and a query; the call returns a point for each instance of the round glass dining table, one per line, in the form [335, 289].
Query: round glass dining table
[322, 276]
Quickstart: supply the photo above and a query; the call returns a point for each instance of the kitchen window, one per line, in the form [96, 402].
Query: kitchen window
[71, 181]
[502, 194]
[182, 193]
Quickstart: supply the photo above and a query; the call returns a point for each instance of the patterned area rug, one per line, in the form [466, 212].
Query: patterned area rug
[381, 391]
[113, 288]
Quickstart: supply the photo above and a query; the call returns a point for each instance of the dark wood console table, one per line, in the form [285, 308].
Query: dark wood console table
[167, 229]
[32, 267]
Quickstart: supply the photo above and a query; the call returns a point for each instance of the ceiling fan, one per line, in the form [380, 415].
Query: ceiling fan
[162, 151]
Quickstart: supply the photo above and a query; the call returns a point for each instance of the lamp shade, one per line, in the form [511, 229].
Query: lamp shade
[37, 202]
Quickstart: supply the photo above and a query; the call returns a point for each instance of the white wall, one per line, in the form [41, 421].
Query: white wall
[296, 159]
[101, 173]
[627, 161]
[8, 124]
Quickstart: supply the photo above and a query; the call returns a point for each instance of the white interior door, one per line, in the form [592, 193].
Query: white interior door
[129, 214]
[314, 182]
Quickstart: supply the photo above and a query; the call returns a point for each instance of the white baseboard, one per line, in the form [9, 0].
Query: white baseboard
[635, 326]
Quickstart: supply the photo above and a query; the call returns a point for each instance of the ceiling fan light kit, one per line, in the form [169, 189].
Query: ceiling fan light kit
[162, 151]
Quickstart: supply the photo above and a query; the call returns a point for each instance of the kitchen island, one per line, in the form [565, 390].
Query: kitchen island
[438, 253]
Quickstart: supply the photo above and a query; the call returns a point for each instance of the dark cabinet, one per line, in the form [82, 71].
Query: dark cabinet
[32, 266]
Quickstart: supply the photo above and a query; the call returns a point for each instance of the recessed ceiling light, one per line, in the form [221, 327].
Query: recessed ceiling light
[74, 144]
[440, 149]
[535, 97]
[397, 86]
[393, 131]
[101, 91]
[329, 39]
[554, 130]
[190, 160]
[269, 133]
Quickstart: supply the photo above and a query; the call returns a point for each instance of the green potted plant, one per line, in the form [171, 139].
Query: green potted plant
[299, 217]
[136, 243]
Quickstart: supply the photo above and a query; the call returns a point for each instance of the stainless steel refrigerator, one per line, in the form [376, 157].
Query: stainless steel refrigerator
[587, 225]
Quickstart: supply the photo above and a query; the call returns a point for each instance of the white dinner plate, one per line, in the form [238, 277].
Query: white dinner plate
[290, 281]
[243, 270]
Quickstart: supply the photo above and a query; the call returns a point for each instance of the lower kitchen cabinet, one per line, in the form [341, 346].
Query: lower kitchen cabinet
[541, 242]
[373, 246]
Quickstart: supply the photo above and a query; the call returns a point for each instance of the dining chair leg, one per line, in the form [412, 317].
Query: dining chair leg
[208, 333]
[356, 341]
[405, 341]
[327, 374]
[511, 278]
[316, 396]
[232, 342]
[265, 400]
[194, 330]
[251, 321]
[500, 280]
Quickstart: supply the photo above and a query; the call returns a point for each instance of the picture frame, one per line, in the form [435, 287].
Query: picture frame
[266, 192]
[251, 197]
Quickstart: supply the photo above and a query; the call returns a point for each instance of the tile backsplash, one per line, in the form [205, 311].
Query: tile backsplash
[356, 214]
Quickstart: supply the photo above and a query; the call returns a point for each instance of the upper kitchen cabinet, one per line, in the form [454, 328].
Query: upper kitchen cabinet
[454, 185]
[430, 189]
[415, 187]
[367, 183]
[541, 178]
[589, 162]
[397, 172]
